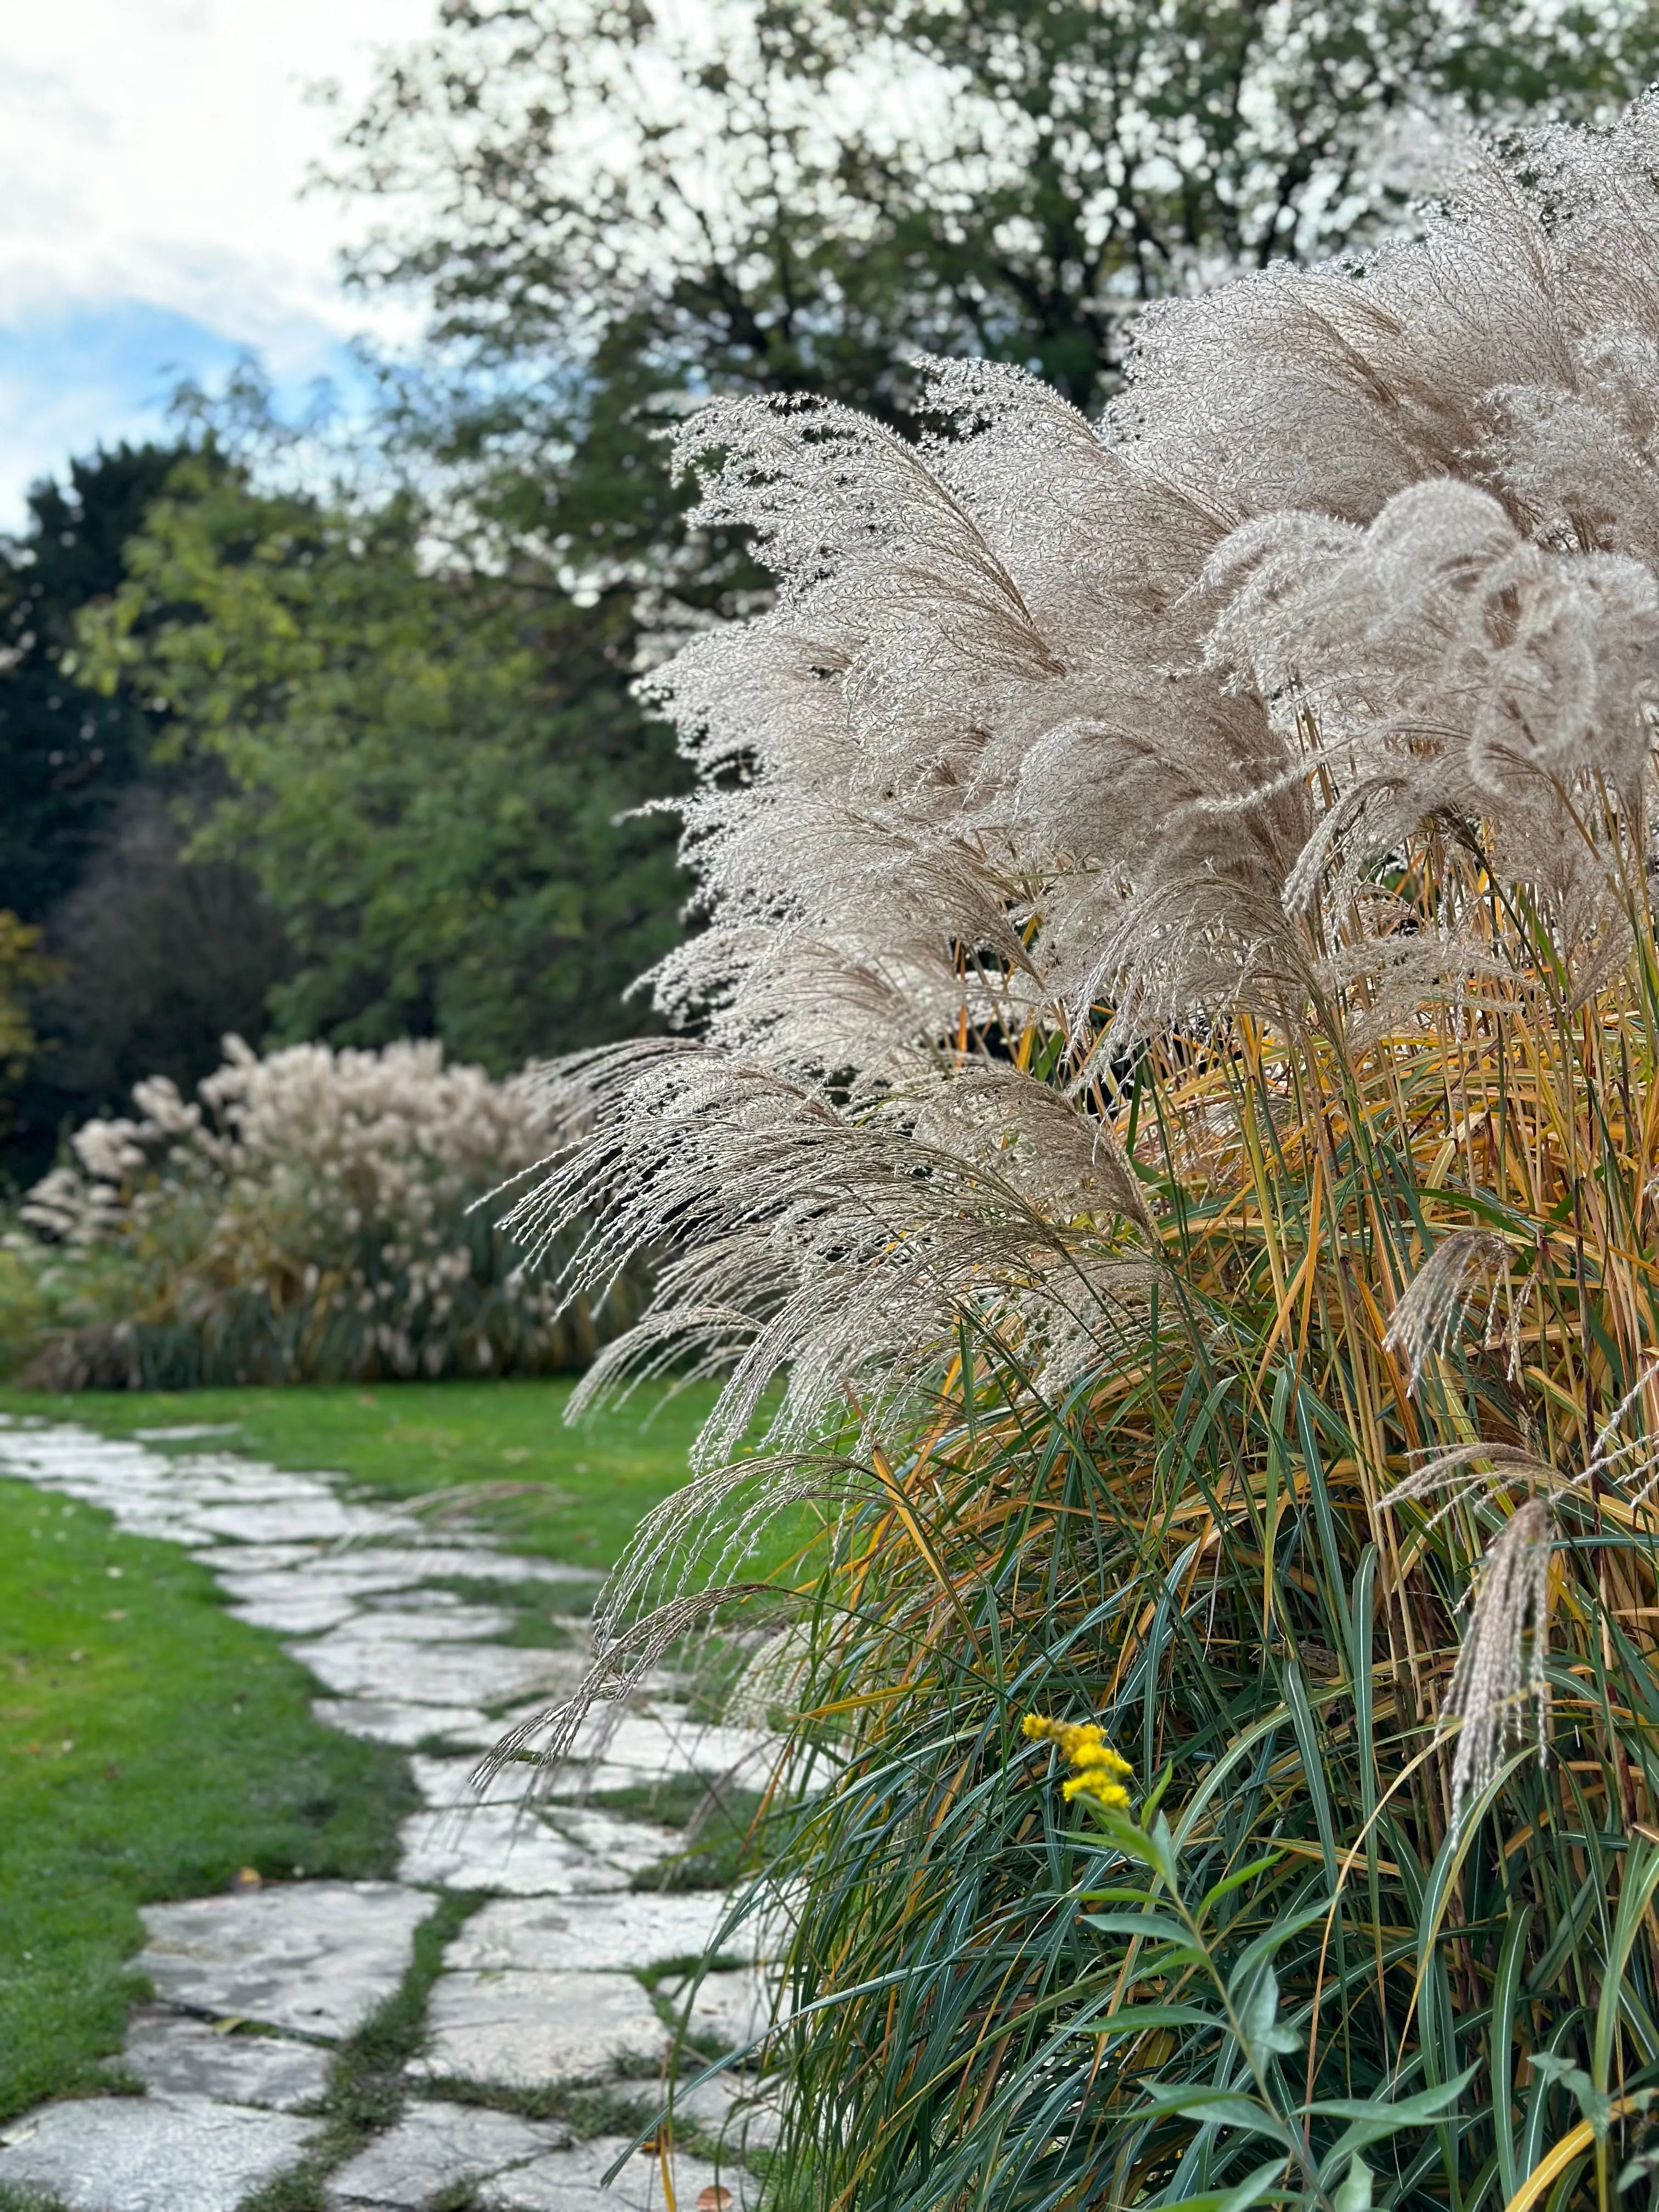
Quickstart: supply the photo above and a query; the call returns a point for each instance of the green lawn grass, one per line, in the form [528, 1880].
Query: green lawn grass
[585, 1489]
[151, 1746]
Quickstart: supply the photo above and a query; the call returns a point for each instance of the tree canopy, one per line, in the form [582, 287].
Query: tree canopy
[802, 197]
[425, 763]
[612, 210]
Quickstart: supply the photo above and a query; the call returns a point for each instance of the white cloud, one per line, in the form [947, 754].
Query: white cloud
[153, 155]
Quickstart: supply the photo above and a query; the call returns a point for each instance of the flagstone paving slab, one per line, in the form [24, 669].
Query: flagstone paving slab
[620, 1749]
[633, 1846]
[734, 2009]
[522, 2031]
[541, 1985]
[446, 1784]
[502, 1848]
[297, 1611]
[587, 1933]
[433, 1673]
[419, 1557]
[397, 1620]
[157, 2154]
[667, 1741]
[248, 1559]
[317, 1957]
[387, 1720]
[574, 2181]
[320, 1519]
[728, 2108]
[171, 2052]
[440, 2146]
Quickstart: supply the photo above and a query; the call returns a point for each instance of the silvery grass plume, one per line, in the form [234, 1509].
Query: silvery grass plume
[1466, 1267]
[1064, 737]
[1500, 1669]
[1500, 1672]
[311, 1212]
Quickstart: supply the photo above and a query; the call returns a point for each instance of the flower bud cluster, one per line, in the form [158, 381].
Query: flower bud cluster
[1099, 1772]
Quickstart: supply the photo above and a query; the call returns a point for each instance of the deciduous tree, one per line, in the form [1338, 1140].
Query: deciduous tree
[426, 765]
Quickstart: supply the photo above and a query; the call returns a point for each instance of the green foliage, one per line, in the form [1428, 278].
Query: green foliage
[426, 765]
[156, 958]
[68, 750]
[23, 969]
[408, 715]
[150, 959]
[1236, 2047]
[1191, 1126]
[1198, 1547]
[1089, 158]
[149, 1746]
[606, 203]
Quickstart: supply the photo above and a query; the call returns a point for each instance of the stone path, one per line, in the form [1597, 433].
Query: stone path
[556, 1981]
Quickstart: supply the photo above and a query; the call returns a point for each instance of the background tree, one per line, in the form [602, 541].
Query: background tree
[616, 209]
[425, 765]
[137, 963]
[601, 198]
[68, 753]
[158, 956]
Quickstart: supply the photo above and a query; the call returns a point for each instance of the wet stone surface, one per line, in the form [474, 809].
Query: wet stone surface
[315, 1957]
[156, 2154]
[188, 2057]
[438, 2147]
[545, 1983]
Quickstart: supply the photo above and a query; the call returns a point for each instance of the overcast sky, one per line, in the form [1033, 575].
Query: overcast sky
[152, 154]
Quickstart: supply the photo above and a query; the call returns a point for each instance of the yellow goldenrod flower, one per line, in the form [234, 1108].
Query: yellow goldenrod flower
[1097, 1769]
[1100, 1755]
[1095, 1785]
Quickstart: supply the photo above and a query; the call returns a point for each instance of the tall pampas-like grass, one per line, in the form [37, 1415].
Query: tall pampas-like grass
[1170, 1135]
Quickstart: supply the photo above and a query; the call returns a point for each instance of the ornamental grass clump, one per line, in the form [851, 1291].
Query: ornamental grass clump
[1170, 1160]
[317, 1216]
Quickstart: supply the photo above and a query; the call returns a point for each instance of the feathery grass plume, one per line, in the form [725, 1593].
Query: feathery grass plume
[1160, 879]
[1465, 1266]
[312, 1215]
[771, 1679]
[551, 1732]
[1500, 1669]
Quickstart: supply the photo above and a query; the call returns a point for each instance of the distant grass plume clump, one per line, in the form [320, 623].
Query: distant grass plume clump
[316, 1215]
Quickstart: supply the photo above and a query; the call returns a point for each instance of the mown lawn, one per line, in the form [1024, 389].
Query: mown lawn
[150, 1744]
[150, 1747]
[583, 1491]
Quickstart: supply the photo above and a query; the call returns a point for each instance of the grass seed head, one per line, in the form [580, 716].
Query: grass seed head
[1500, 1669]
